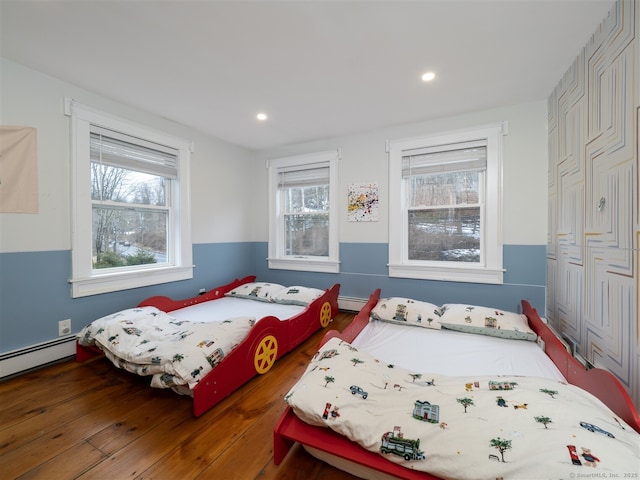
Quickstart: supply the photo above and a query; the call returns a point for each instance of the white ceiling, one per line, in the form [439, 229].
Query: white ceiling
[318, 68]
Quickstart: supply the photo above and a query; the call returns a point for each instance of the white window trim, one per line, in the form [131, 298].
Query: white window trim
[86, 282]
[490, 268]
[330, 264]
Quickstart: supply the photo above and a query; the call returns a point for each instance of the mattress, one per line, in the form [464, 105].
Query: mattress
[227, 307]
[423, 349]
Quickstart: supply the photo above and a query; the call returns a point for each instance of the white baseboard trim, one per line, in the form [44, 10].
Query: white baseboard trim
[37, 355]
[351, 304]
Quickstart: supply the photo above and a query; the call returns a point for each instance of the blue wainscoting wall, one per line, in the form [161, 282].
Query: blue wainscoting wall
[35, 293]
[363, 268]
[35, 290]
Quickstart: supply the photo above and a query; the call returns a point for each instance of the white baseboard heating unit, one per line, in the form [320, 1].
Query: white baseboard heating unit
[26, 358]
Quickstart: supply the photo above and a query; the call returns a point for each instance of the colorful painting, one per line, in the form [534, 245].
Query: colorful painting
[363, 202]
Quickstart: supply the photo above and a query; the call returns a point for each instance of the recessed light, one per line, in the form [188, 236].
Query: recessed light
[427, 77]
[261, 116]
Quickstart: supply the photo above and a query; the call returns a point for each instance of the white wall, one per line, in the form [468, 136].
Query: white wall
[229, 183]
[364, 159]
[30, 98]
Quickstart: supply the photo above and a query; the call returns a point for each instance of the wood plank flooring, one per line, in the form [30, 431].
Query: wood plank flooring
[93, 421]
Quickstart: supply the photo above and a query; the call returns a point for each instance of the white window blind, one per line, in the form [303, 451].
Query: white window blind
[471, 156]
[119, 150]
[308, 177]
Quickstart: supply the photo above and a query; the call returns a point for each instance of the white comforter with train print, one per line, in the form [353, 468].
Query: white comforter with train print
[176, 353]
[465, 428]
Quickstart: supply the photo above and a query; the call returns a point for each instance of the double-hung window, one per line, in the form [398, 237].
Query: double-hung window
[130, 206]
[303, 213]
[445, 199]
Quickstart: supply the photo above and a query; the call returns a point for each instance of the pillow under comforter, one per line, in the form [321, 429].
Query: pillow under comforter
[148, 341]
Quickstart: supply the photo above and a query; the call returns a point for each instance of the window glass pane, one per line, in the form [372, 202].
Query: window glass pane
[456, 188]
[306, 220]
[127, 186]
[306, 234]
[447, 234]
[125, 237]
[306, 199]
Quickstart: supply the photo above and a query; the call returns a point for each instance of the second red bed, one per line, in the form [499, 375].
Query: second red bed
[181, 346]
[608, 435]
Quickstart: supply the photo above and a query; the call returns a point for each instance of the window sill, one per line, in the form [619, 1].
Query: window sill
[305, 264]
[125, 280]
[466, 274]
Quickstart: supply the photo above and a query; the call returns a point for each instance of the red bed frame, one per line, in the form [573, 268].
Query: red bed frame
[290, 429]
[267, 341]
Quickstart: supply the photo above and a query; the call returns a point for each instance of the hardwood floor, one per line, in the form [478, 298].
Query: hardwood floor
[93, 421]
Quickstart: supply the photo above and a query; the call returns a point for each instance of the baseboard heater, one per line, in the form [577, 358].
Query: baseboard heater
[37, 355]
[351, 304]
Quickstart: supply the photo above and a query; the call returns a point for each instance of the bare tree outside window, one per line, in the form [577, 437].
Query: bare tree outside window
[130, 218]
[306, 221]
[444, 217]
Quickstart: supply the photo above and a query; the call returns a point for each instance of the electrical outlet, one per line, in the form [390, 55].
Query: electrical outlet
[64, 327]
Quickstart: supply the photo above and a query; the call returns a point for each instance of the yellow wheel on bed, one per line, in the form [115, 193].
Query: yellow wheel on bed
[325, 314]
[266, 353]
